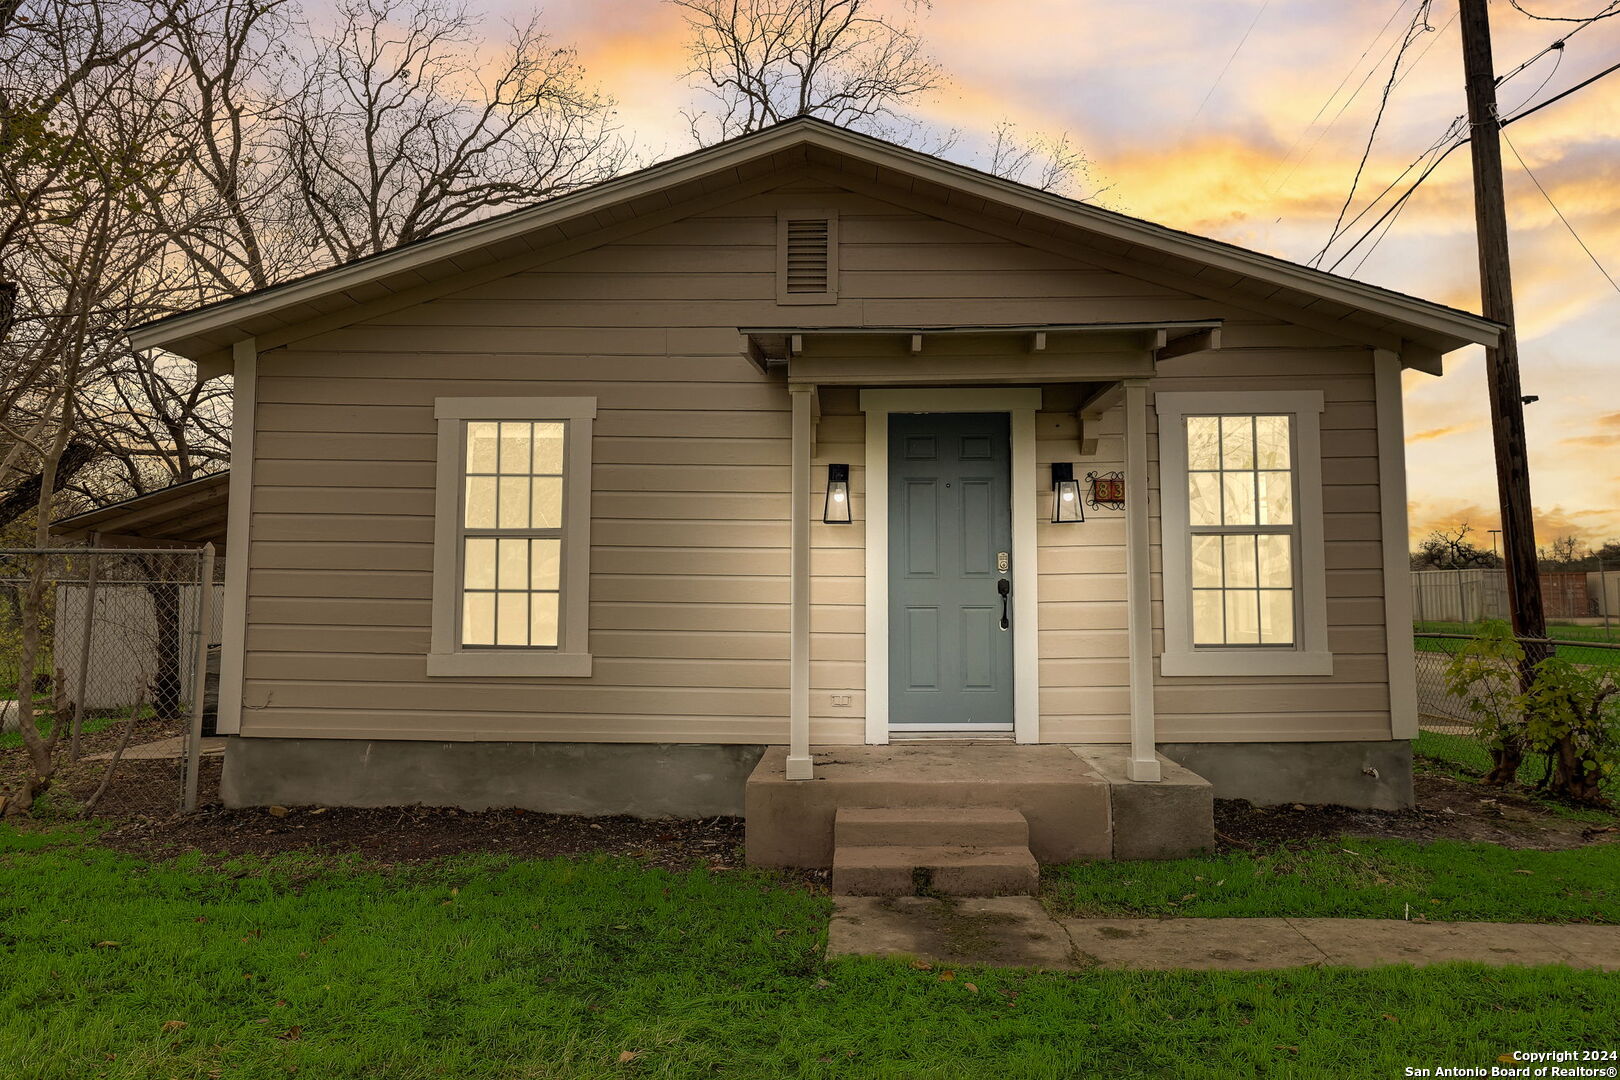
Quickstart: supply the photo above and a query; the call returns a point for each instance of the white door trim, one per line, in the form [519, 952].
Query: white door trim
[1021, 404]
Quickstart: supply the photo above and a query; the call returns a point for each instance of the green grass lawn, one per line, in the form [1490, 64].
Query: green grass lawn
[120, 968]
[1355, 878]
[93, 723]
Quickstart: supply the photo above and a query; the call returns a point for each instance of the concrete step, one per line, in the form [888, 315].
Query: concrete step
[946, 870]
[937, 826]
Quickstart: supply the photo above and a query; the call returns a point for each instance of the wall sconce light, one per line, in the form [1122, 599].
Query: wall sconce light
[836, 511]
[1066, 506]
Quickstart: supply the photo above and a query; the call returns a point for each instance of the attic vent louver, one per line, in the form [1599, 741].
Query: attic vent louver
[807, 257]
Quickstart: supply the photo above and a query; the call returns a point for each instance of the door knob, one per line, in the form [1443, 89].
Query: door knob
[1004, 587]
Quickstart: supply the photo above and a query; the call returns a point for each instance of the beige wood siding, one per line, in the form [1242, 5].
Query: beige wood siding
[689, 560]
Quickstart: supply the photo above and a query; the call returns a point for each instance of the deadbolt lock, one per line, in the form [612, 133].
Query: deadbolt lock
[1001, 561]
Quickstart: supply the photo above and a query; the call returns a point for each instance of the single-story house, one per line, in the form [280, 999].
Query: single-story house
[806, 448]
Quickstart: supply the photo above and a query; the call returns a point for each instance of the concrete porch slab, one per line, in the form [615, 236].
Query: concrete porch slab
[790, 822]
[1003, 931]
[1168, 819]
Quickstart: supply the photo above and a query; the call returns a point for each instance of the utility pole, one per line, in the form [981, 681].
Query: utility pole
[1502, 362]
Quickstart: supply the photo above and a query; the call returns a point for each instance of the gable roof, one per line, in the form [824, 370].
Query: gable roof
[495, 246]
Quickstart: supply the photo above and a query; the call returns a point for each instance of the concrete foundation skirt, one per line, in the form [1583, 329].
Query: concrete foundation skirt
[647, 780]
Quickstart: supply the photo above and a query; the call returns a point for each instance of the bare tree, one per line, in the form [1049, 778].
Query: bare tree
[234, 212]
[1049, 162]
[1450, 549]
[89, 262]
[400, 132]
[856, 63]
[53, 56]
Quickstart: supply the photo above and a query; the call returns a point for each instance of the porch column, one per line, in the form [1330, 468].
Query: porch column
[798, 761]
[1144, 762]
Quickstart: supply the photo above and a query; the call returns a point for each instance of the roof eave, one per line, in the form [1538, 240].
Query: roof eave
[1431, 325]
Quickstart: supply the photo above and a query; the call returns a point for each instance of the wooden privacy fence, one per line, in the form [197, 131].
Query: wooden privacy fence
[1467, 596]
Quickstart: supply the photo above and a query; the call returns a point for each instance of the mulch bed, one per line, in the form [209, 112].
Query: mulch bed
[143, 798]
[138, 787]
[397, 835]
[1447, 809]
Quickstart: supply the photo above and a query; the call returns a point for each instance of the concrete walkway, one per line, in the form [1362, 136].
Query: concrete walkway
[171, 749]
[1016, 931]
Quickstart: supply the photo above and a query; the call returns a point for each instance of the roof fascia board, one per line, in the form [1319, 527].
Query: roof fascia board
[1210, 252]
[579, 204]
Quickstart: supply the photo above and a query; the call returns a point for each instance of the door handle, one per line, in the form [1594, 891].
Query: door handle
[1004, 587]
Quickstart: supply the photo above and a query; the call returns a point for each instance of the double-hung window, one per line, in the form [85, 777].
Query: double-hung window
[512, 540]
[1245, 585]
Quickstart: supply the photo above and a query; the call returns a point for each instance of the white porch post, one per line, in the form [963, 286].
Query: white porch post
[1144, 761]
[799, 765]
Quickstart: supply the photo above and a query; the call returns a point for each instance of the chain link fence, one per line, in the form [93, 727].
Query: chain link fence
[1445, 729]
[124, 677]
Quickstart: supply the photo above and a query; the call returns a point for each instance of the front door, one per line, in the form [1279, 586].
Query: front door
[950, 542]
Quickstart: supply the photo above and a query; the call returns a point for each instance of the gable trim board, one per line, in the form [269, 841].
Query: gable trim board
[238, 538]
[203, 335]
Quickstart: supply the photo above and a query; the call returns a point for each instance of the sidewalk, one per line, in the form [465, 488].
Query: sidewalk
[1017, 931]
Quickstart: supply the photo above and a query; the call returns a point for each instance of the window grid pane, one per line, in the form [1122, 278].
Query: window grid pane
[512, 520]
[1240, 493]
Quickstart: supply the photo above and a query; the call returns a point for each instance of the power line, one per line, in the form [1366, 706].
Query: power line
[1520, 115]
[1241, 41]
[1395, 208]
[1611, 8]
[1558, 61]
[1382, 30]
[1433, 42]
[1419, 25]
[1604, 14]
[1362, 85]
[1559, 212]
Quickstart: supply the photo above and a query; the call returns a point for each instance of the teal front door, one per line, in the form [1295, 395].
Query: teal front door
[950, 542]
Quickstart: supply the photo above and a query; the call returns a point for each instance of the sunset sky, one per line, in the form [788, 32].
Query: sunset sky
[1125, 79]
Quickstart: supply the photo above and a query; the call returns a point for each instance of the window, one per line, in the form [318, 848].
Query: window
[1244, 580]
[512, 544]
[1240, 515]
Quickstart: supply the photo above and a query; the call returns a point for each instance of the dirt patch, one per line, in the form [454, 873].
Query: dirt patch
[138, 787]
[1447, 809]
[391, 835]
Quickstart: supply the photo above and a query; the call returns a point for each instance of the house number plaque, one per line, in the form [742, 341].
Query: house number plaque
[1106, 489]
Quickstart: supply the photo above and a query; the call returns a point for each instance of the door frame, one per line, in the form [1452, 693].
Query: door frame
[1020, 404]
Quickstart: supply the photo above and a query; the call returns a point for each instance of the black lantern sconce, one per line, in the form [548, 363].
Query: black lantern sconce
[836, 511]
[1066, 506]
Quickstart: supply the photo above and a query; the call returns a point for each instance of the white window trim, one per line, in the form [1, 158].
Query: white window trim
[572, 656]
[1310, 654]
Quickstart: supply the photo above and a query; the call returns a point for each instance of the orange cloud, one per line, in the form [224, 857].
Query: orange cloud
[1605, 437]
[1442, 432]
[1591, 526]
